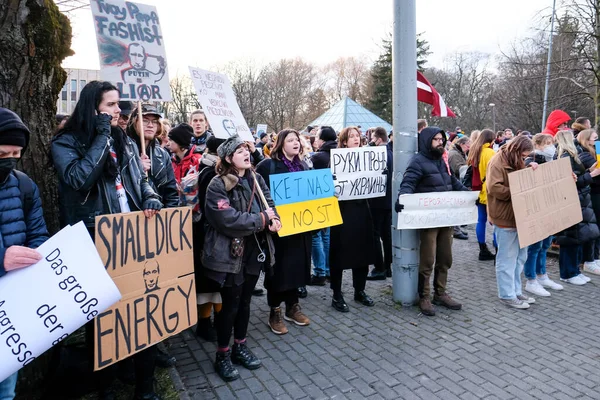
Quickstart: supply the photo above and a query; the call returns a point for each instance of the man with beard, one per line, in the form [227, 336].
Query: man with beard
[427, 172]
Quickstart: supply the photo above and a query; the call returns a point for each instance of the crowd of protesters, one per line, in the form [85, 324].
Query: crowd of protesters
[102, 168]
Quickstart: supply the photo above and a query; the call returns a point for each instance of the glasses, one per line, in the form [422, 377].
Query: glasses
[124, 117]
[148, 122]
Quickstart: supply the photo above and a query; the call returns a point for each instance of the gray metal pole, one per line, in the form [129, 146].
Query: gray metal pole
[405, 265]
[548, 64]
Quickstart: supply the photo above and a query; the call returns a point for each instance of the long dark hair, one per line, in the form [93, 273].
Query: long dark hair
[512, 152]
[485, 136]
[277, 151]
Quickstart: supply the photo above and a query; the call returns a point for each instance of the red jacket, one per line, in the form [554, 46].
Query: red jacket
[556, 118]
[188, 191]
[191, 161]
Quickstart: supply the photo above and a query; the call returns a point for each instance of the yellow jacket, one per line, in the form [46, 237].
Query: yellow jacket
[484, 158]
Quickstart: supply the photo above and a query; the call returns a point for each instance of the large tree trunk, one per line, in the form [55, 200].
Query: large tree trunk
[34, 39]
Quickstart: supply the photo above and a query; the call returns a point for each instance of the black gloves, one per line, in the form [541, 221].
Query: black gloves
[399, 207]
[103, 124]
[152, 204]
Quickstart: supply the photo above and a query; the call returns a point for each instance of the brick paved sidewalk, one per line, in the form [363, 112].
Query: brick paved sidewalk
[485, 351]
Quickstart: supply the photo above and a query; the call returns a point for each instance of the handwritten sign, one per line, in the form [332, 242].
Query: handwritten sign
[43, 304]
[305, 201]
[437, 209]
[545, 201]
[360, 172]
[218, 101]
[597, 145]
[261, 128]
[132, 49]
[151, 262]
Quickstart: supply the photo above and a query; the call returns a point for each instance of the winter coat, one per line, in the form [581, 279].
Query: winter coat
[556, 118]
[322, 157]
[499, 201]
[292, 263]
[385, 203]
[588, 159]
[587, 229]
[484, 159]
[227, 217]
[17, 229]
[200, 142]
[84, 189]
[427, 171]
[456, 159]
[162, 177]
[188, 164]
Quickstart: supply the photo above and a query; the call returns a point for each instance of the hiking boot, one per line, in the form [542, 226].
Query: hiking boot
[241, 355]
[363, 298]
[446, 301]
[302, 293]
[339, 303]
[318, 281]
[426, 307]
[377, 276]
[276, 322]
[460, 235]
[484, 253]
[224, 367]
[295, 315]
[205, 330]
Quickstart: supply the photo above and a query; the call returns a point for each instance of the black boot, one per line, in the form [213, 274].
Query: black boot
[205, 330]
[484, 253]
[363, 298]
[164, 359]
[377, 275]
[241, 355]
[302, 293]
[339, 303]
[224, 367]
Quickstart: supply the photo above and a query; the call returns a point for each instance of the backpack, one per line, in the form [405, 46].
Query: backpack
[25, 191]
[472, 179]
[467, 179]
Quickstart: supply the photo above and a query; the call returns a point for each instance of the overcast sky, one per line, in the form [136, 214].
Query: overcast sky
[207, 34]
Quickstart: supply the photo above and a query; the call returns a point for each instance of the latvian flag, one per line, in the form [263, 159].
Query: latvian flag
[426, 93]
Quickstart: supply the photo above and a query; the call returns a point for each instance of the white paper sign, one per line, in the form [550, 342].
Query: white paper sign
[261, 128]
[360, 172]
[218, 101]
[132, 49]
[437, 209]
[42, 304]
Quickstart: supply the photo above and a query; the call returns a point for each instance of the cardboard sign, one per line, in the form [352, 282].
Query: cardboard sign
[132, 49]
[437, 209]
[545, 201]
[359, 172]
[305, 201]
[218, 101]
[261, 128]
[151, 262]
[42, 304]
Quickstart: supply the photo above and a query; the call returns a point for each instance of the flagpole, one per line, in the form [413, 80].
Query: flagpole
[405, 243]
[141, 128]
[548, 65]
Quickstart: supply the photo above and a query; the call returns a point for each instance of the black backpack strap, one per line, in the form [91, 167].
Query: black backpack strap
[25, 191]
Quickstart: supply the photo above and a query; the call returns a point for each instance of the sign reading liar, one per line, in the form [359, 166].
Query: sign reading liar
[437, 209]
[131, 48]
[42, 304]
[305, 201]
[151, 262]
[218, 101]
[545, 201]
[359, 172]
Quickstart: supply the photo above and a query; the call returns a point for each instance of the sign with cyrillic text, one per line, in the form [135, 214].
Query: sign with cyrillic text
[437, 209]
[360, 173]
[151, 262]
[132, 49]
[43, 304]
[219, 103]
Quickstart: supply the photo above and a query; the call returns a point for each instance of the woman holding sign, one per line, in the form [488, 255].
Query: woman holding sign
[292, 264]
[352, 244]
[237, 246]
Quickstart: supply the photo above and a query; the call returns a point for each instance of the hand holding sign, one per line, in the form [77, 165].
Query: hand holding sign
[20, 257]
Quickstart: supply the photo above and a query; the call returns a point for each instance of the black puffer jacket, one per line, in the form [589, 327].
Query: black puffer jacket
[427, 171]
[321, 158]
[587, 229]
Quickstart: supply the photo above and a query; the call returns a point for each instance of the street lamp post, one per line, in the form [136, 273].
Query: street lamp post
[574, 114]
[493, 115]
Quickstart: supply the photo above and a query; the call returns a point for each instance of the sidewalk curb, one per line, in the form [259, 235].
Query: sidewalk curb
[178, 383]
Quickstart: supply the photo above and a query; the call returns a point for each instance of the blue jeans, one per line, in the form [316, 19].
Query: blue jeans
[536, 258]
[482, 221]
[7, 387]
[510, 260]
[320, 252]
[569, 258]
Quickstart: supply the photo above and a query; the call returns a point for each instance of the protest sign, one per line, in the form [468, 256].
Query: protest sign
[545, 201]
[218, 101]
[151, 262]
[261, 128]
[42, 304]
[132, 49]
[597, 145]
[305, 201]
[437, 209]
[359, 172]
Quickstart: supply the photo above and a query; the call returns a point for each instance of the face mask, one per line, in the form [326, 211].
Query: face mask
[549, 151]
[6, 166]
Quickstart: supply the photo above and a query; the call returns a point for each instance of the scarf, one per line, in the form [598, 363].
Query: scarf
[293, 166]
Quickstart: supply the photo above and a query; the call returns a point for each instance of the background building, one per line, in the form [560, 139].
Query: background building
[76, 80]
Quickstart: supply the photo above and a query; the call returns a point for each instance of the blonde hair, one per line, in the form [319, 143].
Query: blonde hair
[566, 144]
[474, 135]
[540, 138]
[584, 137]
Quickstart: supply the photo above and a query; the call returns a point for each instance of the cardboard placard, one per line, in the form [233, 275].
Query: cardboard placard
[437, 209]
[545, 201]
[132, 49]
[359, 172]
[151, 262]
[219, 103]
[42, 304]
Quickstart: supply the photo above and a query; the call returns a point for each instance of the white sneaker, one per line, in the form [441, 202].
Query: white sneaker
[585, 277]
[576, 280]
[516, 303]
[546, 282]
[592, 268]
[534, 287]
[526, 299]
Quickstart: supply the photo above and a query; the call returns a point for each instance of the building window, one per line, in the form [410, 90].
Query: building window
[82, 84]
[64, 92]
[73, 90]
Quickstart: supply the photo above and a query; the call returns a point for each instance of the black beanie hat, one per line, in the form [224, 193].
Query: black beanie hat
[327, 134]
[213, 143]
[12, 130]
[182, 135]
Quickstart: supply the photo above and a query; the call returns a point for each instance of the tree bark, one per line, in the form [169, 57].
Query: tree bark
[34, 39]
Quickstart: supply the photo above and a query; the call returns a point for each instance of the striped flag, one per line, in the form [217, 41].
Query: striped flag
[426, 93]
